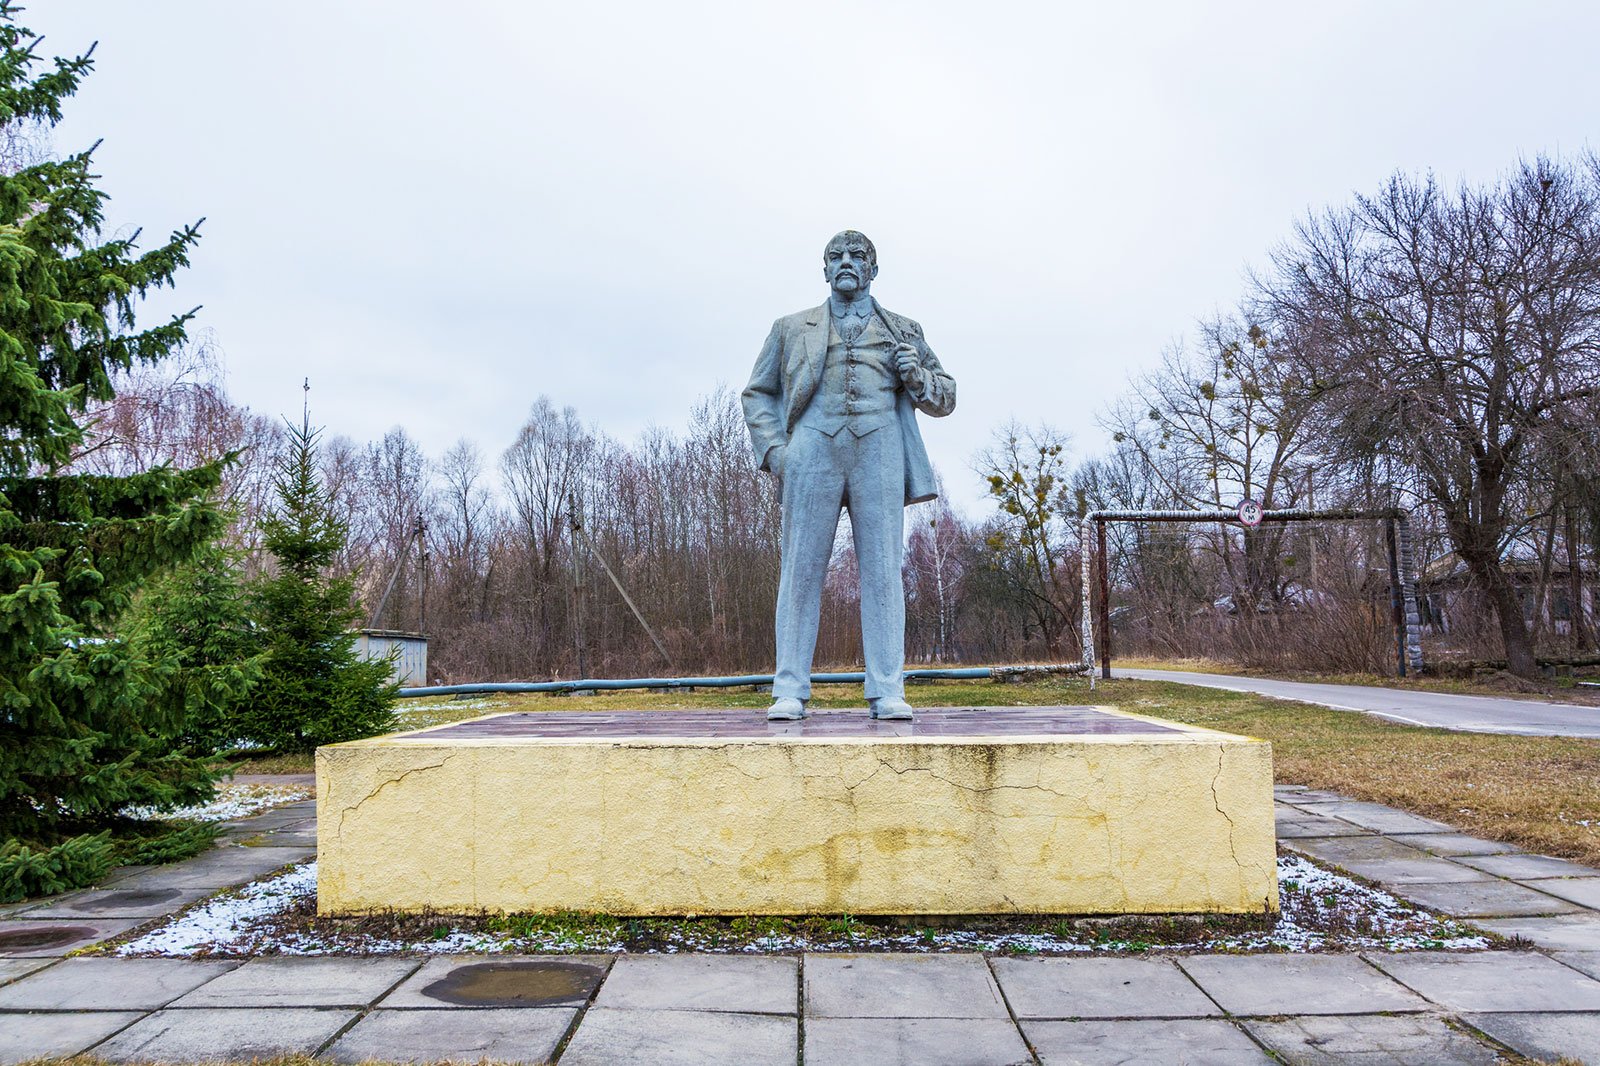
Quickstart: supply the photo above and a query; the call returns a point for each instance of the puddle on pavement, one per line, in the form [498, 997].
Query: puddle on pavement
[534, 983]
[42, 936]
[115, 901]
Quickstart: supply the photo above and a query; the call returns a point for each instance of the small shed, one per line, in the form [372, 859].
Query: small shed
[410, 651]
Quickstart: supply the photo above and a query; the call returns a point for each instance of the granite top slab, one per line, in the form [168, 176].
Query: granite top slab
[830, 725]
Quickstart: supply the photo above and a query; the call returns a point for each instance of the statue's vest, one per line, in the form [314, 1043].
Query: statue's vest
[857, 390]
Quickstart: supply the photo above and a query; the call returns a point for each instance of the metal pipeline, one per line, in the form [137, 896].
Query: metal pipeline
[971, 673]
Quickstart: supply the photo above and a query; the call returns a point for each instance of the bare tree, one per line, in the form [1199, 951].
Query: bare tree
[938, 555]
[542, 470]
[395, 511]
[177, 413]
[1451, 332]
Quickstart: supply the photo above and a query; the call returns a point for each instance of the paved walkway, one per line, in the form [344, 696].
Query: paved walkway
[1542, 1001]
[1472, 714]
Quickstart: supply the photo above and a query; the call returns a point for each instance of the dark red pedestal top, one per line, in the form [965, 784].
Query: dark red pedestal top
[830, 725]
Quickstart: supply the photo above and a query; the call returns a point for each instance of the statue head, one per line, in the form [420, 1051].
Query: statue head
[849, 263]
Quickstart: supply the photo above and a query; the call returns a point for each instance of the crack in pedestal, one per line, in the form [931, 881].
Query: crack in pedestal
[391, 781]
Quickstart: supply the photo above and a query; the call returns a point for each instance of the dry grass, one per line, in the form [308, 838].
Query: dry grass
[1534, 792]
[295, 763]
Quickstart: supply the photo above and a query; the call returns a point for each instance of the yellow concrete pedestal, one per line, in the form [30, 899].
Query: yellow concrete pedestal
[965, 811]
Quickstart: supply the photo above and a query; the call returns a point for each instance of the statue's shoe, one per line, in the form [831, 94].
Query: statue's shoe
[892, 708]
[786, 709]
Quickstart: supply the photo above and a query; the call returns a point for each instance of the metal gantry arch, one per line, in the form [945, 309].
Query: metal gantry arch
[1397, 539]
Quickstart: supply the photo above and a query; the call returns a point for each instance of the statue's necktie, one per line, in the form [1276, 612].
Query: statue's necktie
[851, 327]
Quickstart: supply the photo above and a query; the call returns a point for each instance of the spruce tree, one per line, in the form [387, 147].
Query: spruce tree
[78, 739]
[195, 625]
[315, 688]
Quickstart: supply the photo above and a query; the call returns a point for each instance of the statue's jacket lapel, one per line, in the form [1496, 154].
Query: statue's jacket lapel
[806, 350]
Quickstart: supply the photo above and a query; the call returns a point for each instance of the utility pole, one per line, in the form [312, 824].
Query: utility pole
[1396, 596]
[576, 518]
[1311, 529]
[1105, 601]
[422, 565]
[579, 531]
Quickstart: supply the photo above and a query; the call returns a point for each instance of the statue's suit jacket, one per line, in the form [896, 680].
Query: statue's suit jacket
[789, 369]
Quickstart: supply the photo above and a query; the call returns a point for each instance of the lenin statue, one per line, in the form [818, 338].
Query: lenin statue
[831, 407]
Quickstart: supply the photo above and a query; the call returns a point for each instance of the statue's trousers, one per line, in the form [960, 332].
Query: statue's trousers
[821, 474]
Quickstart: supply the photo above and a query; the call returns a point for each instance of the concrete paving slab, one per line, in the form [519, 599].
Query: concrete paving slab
[736, 983]
[11, 969]
[278, 816]
[1451, 844]
[122, 873]
[213, 1035]
[1298, 984]
[1487, 899]
[1584, 891]
[479, 981]
[23, 938]
[1492, 980]
[110, 984]
[1100, 988]
[510, 1035]
[1347, 849]
[1314, 796]
[117, 902]
[24, 1037]
[234, 853]
[1572, 932]
[282, 838]
[1311, 826]
[290, 981]
[1583, 961]
[219, 868]
[1377, 817]
[1398, 1040]
[1427, 870]
[1544, 1036]
[1099, 1042]
[901, 986]
[914, 1042]
[228, 857]
[1527, 867]
[287, 837]
[689, 1038]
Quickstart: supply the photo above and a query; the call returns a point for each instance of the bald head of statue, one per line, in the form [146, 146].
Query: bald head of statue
[849, 263]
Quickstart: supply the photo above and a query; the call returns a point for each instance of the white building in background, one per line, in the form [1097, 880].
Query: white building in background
[409, 652]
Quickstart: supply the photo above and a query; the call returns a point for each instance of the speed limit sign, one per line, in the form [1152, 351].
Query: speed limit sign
[1251, 513]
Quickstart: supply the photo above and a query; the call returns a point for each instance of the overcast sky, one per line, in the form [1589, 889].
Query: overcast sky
[438, 212]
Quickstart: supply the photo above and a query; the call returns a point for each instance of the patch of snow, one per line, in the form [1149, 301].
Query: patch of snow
[238, 924]
[225, 922]
[417, 708]
[232, 801]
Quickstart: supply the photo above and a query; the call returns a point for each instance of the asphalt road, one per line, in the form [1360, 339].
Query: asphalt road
[1472, 714]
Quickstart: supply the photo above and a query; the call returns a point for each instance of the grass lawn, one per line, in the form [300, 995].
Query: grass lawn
[1539, 793]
